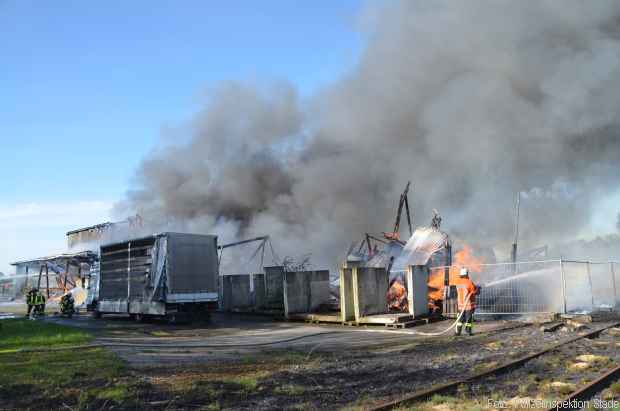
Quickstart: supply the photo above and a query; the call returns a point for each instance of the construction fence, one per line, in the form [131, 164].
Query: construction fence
[532, 287]
[564, 286]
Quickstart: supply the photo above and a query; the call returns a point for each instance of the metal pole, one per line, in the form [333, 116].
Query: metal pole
[563, 285]
[26, 287]
[613, 281]
[516, 240]
[590, 281]
[128, 274]
[262, 256]
[448, 265]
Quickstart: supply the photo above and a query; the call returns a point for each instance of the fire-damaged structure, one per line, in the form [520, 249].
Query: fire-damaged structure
[103, 232]
[428, 248]
[170, 275]
[56, 274]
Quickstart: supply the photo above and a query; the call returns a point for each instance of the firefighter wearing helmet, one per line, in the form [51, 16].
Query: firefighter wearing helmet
[30, 301]
[467, 292]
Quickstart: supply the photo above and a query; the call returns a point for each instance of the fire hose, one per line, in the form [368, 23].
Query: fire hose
[175, 346]
[216, 346]
[437, 334]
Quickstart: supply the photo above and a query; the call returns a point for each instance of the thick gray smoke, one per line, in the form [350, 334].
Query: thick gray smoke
[471, 101]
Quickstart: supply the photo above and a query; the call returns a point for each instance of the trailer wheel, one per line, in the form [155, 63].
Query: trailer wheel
[97, 314]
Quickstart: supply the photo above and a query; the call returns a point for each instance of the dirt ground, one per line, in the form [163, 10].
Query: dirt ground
[560, 371]
[248, 362]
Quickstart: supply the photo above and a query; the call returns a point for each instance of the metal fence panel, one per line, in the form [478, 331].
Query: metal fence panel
[615, 275]
[521, 288]
[602, 286]
[579, 296]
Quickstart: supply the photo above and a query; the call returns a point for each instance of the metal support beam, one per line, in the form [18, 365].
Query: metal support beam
[39, 280]
[563, 285]
[590, 281]
[128, 275]
[263, 238]
[613, 281]
[66, 276]
[47, 281]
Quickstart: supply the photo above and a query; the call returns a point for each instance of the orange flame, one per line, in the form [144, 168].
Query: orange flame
[463, 258]
[397, 293]
[397, 296]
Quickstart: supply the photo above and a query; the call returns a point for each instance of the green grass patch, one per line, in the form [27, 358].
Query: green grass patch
[161, 334]
[290, 390]
[82, 379]
[246, 383]
[116, 393]
[21, 333]
[443, 399]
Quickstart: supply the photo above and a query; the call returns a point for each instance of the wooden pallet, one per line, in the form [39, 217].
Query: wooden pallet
[383, 319]
[316, 318]
[408, 324]
[389, 320]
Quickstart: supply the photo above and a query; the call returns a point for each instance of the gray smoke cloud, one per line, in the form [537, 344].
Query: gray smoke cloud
[471, 101]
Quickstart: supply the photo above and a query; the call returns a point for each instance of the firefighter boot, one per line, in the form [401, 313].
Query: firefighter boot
[469, 328]
[458, 329]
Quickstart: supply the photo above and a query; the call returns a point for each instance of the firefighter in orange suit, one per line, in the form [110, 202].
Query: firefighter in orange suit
[467, 292]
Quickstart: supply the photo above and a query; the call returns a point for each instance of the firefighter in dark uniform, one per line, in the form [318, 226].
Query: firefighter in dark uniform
[39, 302]
[30, 297]
[67, 305]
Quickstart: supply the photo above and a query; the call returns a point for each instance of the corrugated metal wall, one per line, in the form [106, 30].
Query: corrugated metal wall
[116, 260]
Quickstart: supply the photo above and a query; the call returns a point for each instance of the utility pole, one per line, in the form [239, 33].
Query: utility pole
[516, 240]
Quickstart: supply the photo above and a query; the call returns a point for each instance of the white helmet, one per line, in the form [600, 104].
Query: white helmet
[464, 272]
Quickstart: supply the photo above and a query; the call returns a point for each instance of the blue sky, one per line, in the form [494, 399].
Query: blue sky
[86, 87]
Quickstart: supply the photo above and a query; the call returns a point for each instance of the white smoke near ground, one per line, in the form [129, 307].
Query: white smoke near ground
[473, 102]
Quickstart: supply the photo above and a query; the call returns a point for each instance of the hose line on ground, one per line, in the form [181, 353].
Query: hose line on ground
[437, 334]
[156, 345]
[215, 346]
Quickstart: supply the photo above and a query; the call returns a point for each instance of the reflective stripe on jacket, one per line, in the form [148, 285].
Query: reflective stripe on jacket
[465, 287]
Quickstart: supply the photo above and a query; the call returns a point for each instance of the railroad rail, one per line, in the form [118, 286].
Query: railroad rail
[573, 400]
[501, 369]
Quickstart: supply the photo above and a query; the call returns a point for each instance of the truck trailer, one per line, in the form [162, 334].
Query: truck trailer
[169, 275]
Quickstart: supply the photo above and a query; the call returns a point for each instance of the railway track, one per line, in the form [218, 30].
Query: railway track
[575, 400]
[450, 387]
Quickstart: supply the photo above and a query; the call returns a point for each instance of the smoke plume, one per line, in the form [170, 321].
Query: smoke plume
[471, 101]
